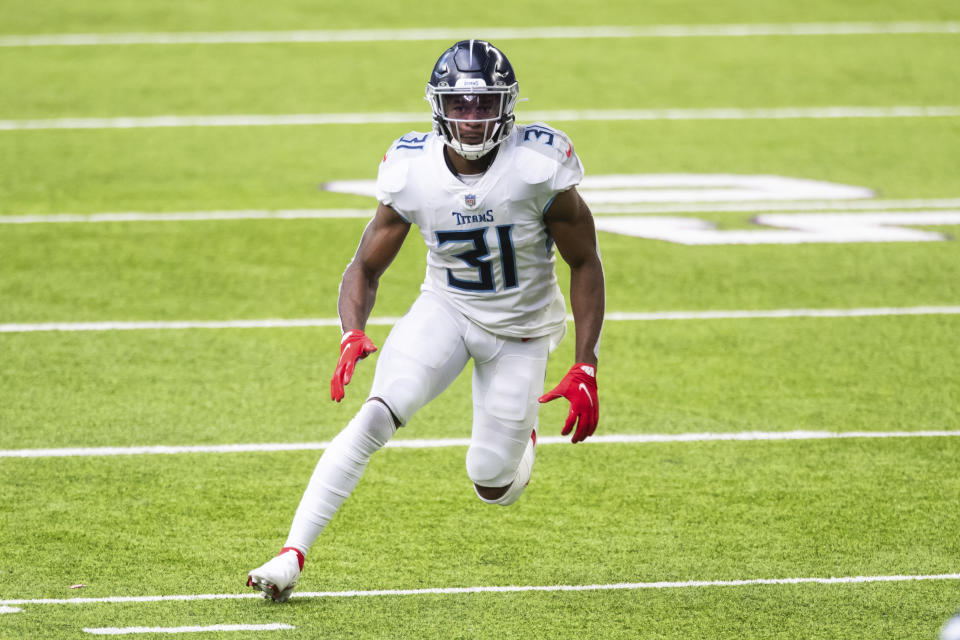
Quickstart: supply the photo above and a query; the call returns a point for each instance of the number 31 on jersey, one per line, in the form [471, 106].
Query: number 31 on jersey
[477, 256]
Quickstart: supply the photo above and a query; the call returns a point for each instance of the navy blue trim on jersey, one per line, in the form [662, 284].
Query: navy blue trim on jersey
[549, 202]
[412, 142]
[535, 131]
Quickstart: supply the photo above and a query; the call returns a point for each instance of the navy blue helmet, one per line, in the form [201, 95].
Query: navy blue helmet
[472, 92]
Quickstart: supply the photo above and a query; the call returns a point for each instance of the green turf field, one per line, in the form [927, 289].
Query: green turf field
[745, 521]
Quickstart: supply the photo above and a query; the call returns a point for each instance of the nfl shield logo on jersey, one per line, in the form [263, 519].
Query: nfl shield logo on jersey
[470, 200]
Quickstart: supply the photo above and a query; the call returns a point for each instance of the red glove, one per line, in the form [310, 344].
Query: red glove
[579, 386]
[354, 346]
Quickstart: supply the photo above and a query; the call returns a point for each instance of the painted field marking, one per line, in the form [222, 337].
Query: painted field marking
[620, 586]
[122, 631]
[491, 33]
[570, 115]
[869, 205]
[276, 323]
[600, 208]
[414, 443]
[612, 316]
[778, 313]
[633, 188]
[788, 228]
[190, 216]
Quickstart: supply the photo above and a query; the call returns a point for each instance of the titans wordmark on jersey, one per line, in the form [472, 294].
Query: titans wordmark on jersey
[489, 253]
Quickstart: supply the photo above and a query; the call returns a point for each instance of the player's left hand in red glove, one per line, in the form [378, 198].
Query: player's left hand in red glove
[354, 346]
[579, 386]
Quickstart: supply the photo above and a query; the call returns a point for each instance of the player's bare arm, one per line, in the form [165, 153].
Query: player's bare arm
[379, 245]
[570, 224]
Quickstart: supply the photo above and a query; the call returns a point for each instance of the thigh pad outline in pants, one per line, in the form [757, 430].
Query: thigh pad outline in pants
[423, 354]
[505, 409]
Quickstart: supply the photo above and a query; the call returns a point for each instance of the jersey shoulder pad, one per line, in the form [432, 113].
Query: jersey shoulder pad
[542, 152]
[392, 175]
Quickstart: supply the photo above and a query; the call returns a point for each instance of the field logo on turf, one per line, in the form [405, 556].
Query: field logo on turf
[783, 205]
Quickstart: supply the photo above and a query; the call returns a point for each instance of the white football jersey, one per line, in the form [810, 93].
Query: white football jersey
[489, 253]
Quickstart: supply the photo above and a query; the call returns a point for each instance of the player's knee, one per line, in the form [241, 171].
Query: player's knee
[369, 430]
[488, 468]
[396, 421]
[402, 395]
[506, 488]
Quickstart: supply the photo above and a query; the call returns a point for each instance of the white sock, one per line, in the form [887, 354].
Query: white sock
[338, 472]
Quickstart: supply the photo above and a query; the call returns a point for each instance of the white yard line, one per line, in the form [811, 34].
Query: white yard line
[192, 216]
[869, 204]
[419, 117]
[620, 586]
[780, 313]
[402, 443]
[611, 316]
[366, 213]
[123, 631]
[185, 324]
[488, 33]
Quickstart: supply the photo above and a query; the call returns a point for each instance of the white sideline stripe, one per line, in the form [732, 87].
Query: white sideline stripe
[309, 214]
[122, 631]
[413, 443]
[566, 115]
[491, 33]
[620, 586]
[613, 316]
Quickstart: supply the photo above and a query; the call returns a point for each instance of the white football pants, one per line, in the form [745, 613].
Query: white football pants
[424, 353]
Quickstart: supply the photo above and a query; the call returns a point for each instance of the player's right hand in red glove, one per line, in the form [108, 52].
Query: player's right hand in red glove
[354, 346]
[579, 386]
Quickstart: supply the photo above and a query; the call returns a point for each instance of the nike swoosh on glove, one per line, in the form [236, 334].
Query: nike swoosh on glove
[354, 346]
[579, 386]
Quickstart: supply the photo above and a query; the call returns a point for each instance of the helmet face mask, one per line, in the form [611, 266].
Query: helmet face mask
[472, 92]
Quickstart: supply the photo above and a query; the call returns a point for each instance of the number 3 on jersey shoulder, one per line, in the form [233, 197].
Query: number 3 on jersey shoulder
[477, 256]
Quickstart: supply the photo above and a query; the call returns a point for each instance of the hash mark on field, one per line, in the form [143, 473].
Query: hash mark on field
[620, 586]
[490, 33]
[402, 443]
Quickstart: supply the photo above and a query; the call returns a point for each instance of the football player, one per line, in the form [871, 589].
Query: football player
[493, 200]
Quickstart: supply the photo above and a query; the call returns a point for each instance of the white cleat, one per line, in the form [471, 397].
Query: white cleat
[277, 578]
